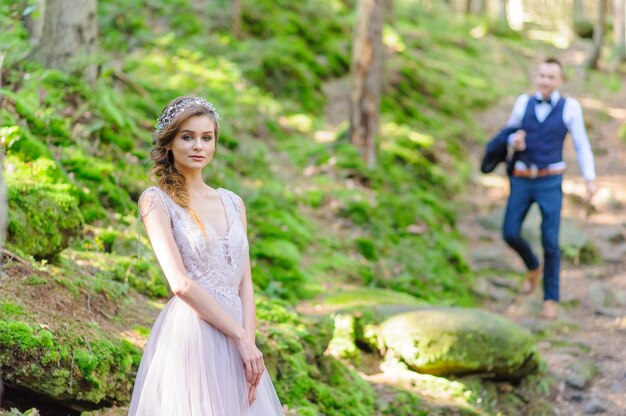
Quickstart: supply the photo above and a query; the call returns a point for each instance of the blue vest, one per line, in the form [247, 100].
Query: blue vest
[544, 141]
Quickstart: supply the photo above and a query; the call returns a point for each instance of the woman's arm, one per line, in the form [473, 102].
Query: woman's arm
[246, 291]
[157, 223]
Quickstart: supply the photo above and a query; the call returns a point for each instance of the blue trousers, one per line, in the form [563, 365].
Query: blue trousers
[547, 193]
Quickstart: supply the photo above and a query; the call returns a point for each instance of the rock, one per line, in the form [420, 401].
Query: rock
[491, 221]
[504, 282]
[493, 257]
[605, 198]
[456, 341]
[48, 211]
[616, 236]
[611, 313]
[485, 289]
[575, 397]
[619, 297]
[597, 295]
[582, 374]
[593, 407]
[362, 298]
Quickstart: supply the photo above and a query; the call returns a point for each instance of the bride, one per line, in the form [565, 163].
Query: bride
[201, 357]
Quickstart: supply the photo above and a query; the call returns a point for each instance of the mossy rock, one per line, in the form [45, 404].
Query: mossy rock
[60, 368]
[43, 218]
[456, 341]
[368, 297]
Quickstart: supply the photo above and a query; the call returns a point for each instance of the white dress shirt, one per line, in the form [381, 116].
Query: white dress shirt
[573, 119]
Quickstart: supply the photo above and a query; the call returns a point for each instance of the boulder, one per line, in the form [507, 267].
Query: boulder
[43, 218]
[454, 341]
[582, 374]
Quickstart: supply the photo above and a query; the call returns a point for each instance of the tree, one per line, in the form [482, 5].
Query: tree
[366, 73]
[3, 219]
[579, 10]
[598, 35]
[69, 36]
[482, 7]
[236, 18]
[619, 30]
[502, 12]
[469, 6]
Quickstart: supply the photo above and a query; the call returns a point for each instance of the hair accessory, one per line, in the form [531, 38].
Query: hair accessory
[172, 112]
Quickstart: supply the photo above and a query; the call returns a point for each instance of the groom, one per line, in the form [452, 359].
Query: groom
[543, 119]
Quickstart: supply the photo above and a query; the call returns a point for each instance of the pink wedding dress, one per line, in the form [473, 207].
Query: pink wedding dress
[189, 368]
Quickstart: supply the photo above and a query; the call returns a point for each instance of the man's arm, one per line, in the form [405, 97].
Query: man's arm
[517, 114]
[573, 118]
[516, 140]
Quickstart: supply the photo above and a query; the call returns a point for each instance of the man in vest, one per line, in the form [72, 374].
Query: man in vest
[543, 119]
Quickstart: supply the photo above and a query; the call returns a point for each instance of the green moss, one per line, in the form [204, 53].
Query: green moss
[46, 210]
[45, 362]
[444, 341]
[10, 309]
[305, 379]
[342, 344]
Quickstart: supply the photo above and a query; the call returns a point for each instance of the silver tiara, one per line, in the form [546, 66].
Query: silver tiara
[172, 112]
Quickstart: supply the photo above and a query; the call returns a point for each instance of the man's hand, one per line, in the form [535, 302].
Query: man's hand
[591, 189]
[519, 141]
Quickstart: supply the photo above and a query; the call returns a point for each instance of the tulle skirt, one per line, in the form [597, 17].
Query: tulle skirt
[189, 368]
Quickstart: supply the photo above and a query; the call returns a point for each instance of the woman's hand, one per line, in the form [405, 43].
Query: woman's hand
[252, 359]
[251, 394]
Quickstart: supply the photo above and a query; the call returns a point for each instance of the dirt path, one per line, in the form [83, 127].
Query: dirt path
[590, 331]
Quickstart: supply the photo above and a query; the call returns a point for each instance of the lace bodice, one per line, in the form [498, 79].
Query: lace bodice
[214, 261]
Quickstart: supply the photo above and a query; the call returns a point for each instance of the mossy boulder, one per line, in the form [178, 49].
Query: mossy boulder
[43, 218]
[455, 341]
[67, 368]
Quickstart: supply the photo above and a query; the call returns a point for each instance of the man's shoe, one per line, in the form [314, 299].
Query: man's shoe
[530, 282]
[550, 309]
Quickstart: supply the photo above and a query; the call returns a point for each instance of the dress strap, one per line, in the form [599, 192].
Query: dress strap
[151, 198]
[231, 200]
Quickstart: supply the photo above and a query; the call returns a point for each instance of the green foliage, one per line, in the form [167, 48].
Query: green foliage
[14, 40]
[584, 28]
[292, 56]
[306, 379]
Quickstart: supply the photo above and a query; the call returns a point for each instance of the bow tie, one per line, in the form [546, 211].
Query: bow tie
[544, 100]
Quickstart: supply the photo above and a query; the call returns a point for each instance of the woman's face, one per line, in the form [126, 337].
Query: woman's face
[194, 144]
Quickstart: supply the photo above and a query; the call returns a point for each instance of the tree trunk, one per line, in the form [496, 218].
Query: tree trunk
[502, 12]
[619, 30]
[389, 11]
[482, 7]
[598, 35]
[579, 10]
[3, 219]
[469, 6]
[33, 20]
[69, 36]
[367, 74]
[236, 16]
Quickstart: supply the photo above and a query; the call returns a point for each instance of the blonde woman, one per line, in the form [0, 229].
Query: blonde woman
[201, 358]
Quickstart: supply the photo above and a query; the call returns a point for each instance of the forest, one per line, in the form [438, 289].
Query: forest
[353, 131]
